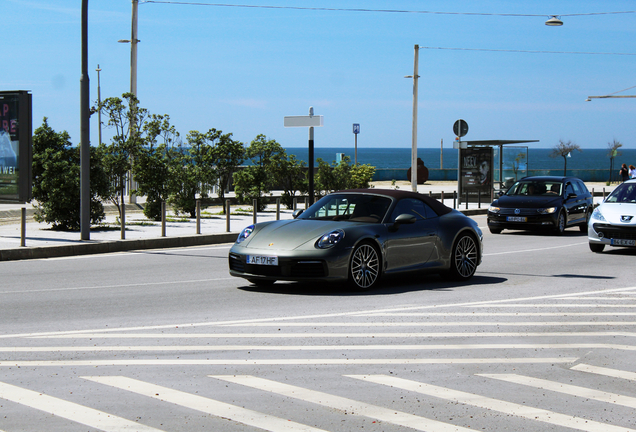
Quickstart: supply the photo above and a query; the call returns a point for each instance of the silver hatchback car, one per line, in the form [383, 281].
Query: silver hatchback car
[613, 223]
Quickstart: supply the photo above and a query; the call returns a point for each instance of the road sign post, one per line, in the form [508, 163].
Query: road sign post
[309, 121]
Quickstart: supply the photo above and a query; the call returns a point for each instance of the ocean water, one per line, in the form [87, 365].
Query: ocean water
[396, 158]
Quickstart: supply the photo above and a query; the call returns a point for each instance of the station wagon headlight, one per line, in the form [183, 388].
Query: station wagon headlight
[548, 210]
[597, 215]
[330, 239]
[494, 209]
[245, 234]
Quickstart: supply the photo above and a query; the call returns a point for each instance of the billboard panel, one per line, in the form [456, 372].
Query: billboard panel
[475, 173]
[15, 146]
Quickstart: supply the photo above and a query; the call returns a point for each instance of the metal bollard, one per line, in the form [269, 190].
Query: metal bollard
[255, 205]
[295, 205]
[123, 221]
[198, 216]
[466, 200]
[277, 208]
[306, 202]
[227, 215]
[603, 194]
[163, 218]
[479, 199]
[454, 199]
[442, 199]
[23, 228]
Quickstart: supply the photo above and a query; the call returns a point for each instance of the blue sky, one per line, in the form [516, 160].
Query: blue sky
[242, 70]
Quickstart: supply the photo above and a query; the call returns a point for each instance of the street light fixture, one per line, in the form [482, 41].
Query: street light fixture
[554, 21]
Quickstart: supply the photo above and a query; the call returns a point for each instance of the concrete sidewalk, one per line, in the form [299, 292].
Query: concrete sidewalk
[43, 242]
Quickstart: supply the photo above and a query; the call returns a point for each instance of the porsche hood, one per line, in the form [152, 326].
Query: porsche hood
[289, 234]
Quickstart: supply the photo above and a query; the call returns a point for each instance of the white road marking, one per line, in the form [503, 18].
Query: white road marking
[568, 389]
[202, 404]
[490, 303]
[70, 410]
[559, 305]
[345, 405]
[509, 408]
[616, 298]
[322, 335]
[365, 347]
[534, 250]
[145, 284]
[278, 362]
[614, 373]
[443, 324]
[499, 314]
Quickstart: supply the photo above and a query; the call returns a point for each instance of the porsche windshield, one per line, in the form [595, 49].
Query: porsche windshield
[536, 188]
[349, 207]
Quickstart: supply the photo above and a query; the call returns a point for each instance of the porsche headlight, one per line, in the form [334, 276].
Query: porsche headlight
[330, 239]
[245, 234]
[548, 210]
[597, 215]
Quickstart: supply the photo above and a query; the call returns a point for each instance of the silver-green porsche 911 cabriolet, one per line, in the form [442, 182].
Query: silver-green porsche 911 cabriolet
[357, 236]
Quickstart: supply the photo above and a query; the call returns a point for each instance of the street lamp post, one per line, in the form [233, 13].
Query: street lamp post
[415, 76]
[133, 76]
[99, 105]
[85, 159]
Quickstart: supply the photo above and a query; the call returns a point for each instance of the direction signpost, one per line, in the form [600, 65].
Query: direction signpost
[309, 121]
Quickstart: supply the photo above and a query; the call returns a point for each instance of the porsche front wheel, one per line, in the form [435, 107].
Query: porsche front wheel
[464, 258]
[364, 268]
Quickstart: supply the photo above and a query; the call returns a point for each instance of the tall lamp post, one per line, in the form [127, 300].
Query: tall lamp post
[85, 159]
[415, 76]
[133, 76]
[99, 103]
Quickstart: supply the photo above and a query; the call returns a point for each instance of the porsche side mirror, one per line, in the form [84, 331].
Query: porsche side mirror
[297, 213]
[404, 219]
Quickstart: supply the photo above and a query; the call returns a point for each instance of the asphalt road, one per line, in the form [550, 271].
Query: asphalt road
[542, 338]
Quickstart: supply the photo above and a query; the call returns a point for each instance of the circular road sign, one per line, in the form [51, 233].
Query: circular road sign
[460, 128]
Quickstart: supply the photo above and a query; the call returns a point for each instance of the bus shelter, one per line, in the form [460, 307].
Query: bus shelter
[484, 166]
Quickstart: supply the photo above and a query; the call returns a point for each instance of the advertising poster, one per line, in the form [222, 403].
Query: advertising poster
[476, 173]
[15, 125]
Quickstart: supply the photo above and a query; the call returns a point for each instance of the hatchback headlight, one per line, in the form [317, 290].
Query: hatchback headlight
[245, 234]
[330, 239]
[548, 210]
[597, 215]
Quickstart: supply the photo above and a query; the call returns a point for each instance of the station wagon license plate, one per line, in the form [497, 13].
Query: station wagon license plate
[516, 219]
[621, 242]
[262, 260]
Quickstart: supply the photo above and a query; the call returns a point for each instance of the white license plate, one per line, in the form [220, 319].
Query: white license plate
[621, 242]
[516, 219]
[262, 260]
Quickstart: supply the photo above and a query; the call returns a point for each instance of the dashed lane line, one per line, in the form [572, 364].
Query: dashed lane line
[509, 408]
[71, 411]
[199, 403]
[345, 405]
[613, 373]
[567, 389]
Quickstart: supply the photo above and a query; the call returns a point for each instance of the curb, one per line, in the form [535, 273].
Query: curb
[90, 248]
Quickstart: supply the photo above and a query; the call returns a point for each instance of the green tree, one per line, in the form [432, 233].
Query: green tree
[343, 175]
[257, 179]
[290, 174]
[228, 154]
[612, 152]
[56, 180]
[152, 164]
[127, 118]
[192, 171]
[564, 149]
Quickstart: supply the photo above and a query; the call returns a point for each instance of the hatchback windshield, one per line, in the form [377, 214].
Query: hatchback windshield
[624, 193]
[350, 207]
[536, 187]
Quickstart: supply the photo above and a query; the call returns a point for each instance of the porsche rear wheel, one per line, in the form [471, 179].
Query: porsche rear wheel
[364, 268]
[464, 259]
